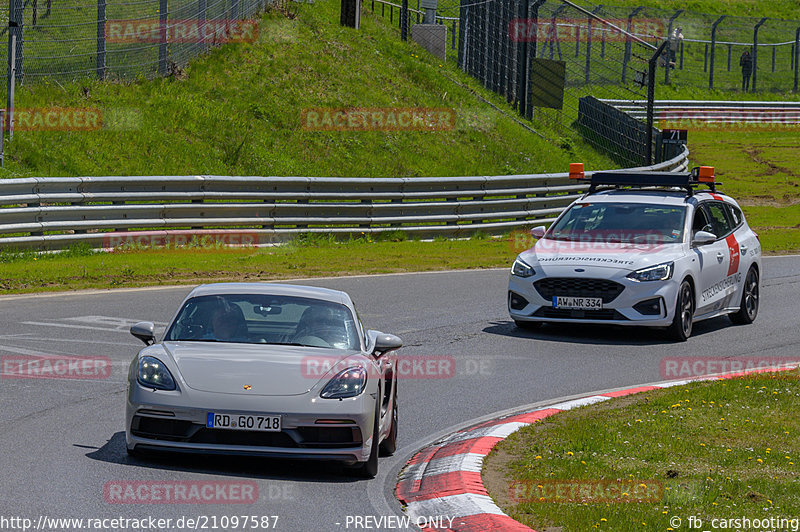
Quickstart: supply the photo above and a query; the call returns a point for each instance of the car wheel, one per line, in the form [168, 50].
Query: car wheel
[369, 468]
[389, 445]
[748, 308]
[681, 328]
[528, 325]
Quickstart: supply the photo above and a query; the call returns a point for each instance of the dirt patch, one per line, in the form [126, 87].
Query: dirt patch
[755, 155]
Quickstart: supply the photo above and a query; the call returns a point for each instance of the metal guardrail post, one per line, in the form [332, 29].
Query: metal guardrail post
[713, 48]
[163, 12]
[101, 39]
[755, 51]
[627, 56]
[796, 57]
[668, 64]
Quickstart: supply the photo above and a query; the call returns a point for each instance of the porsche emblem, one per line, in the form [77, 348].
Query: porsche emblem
[247, 387]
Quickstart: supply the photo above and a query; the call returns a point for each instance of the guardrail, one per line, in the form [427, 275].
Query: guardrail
[714, 111]
[55, 213]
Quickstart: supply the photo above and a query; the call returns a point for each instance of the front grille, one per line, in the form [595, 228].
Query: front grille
[242, 437]
[577, 287]
[302, 437]
[563, 313]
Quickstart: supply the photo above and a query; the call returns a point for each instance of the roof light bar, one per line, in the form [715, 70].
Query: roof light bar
[703, 175]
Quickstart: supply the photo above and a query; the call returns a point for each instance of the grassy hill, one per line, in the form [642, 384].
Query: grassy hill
[237, 111]
[786, 9]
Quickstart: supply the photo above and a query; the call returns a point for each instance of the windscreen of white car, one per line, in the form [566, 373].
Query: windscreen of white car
[620, 223]
[265, 319]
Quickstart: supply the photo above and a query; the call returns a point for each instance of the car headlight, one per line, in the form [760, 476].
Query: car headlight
[154, 374]
[660, 272]
[522, 269]
[348, 383]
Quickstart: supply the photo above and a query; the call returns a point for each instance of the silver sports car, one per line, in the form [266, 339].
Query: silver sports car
[265, 369]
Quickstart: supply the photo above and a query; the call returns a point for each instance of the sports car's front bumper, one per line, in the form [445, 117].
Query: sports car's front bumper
[623, 309]
[311, 427]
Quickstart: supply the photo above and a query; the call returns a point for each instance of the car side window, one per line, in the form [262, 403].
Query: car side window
[735, 215]
[718, 218]
[700, 222]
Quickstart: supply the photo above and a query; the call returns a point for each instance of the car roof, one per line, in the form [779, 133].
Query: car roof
[276, 289]
[659, 197]
[665, 197]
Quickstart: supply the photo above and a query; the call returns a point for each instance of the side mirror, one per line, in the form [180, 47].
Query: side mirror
[538, 231]
[701, 238]
[144, 331]
[381, 343]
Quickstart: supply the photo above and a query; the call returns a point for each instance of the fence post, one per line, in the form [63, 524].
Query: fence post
[404, 21]
[463, 14]
[15, 27]
[201, 23]
[755, 51]
[705, 59]
[730, 51]
[713, 47]
[531, 51]
[668, 64]
[101, 39]
[774, 50]
[589, 45]
[652, 66]
[681, 65]
[796, 57]
[627, 56]
[163, 11]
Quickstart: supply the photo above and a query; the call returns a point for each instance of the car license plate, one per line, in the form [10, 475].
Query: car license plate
[243, 422]
[584, 303]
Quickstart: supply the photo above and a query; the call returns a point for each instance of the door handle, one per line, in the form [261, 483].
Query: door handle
[720, 257]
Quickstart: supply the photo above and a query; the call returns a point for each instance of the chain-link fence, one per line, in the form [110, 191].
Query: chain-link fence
[75, 39]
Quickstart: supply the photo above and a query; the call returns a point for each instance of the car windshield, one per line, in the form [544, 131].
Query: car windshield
[620, 223]
[265, 319]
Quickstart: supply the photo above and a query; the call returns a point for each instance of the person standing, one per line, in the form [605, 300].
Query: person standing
[746, 62]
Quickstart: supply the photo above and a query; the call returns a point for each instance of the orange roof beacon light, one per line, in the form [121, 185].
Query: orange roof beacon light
[576, 171]
[705, 174]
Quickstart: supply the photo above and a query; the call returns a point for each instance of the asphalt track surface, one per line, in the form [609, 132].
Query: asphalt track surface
[62, 440]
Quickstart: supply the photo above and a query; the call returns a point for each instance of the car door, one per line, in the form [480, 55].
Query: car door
[715, 258]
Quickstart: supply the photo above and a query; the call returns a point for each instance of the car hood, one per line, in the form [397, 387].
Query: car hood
[554, 255]
[255, 369]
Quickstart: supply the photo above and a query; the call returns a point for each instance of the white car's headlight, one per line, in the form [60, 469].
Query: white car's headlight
[348, 383]
[522, 269]
[660, 272]
[154, 374]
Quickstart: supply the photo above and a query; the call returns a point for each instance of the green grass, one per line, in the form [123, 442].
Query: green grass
[785, 9]
[721, 449]
[308, 256]
[761, 170]
[236, 111]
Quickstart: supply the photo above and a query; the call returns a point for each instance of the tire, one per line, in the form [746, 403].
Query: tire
[681, 328]
[748, 307]
[389, 445]
[528, 325]
[369, 468]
